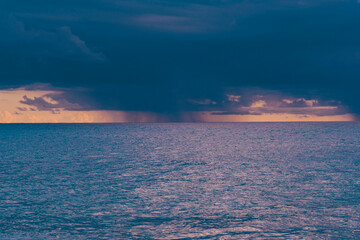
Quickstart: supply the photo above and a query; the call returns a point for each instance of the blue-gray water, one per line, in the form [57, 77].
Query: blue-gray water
[180, 181]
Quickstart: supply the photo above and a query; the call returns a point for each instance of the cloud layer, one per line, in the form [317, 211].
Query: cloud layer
[171, 57]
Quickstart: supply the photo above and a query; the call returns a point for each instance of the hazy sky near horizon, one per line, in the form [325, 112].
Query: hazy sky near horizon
[181, 60]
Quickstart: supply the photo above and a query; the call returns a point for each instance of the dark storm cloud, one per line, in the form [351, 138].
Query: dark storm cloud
[159, 55]
[42, 44]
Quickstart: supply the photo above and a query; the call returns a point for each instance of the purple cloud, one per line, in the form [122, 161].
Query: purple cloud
[50, 102]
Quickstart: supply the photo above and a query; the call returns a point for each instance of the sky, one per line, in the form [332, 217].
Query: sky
[179, 60]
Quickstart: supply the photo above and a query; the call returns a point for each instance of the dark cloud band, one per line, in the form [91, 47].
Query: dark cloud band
[167, 56]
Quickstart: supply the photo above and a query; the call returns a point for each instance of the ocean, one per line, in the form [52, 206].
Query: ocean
[180, 181]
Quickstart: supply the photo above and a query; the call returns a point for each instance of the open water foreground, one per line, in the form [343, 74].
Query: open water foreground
[180, 181]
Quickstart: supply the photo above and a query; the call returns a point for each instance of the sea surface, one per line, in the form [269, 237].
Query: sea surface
[180, 181]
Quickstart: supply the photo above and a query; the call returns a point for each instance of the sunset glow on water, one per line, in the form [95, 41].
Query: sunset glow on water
[180, 181]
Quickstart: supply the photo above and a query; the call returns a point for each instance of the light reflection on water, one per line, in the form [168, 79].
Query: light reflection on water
[180, 181]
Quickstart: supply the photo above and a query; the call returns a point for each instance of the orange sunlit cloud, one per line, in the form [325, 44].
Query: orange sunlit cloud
[14, 110]
[275, 117]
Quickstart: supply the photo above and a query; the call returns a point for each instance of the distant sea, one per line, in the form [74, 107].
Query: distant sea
[180, 181]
